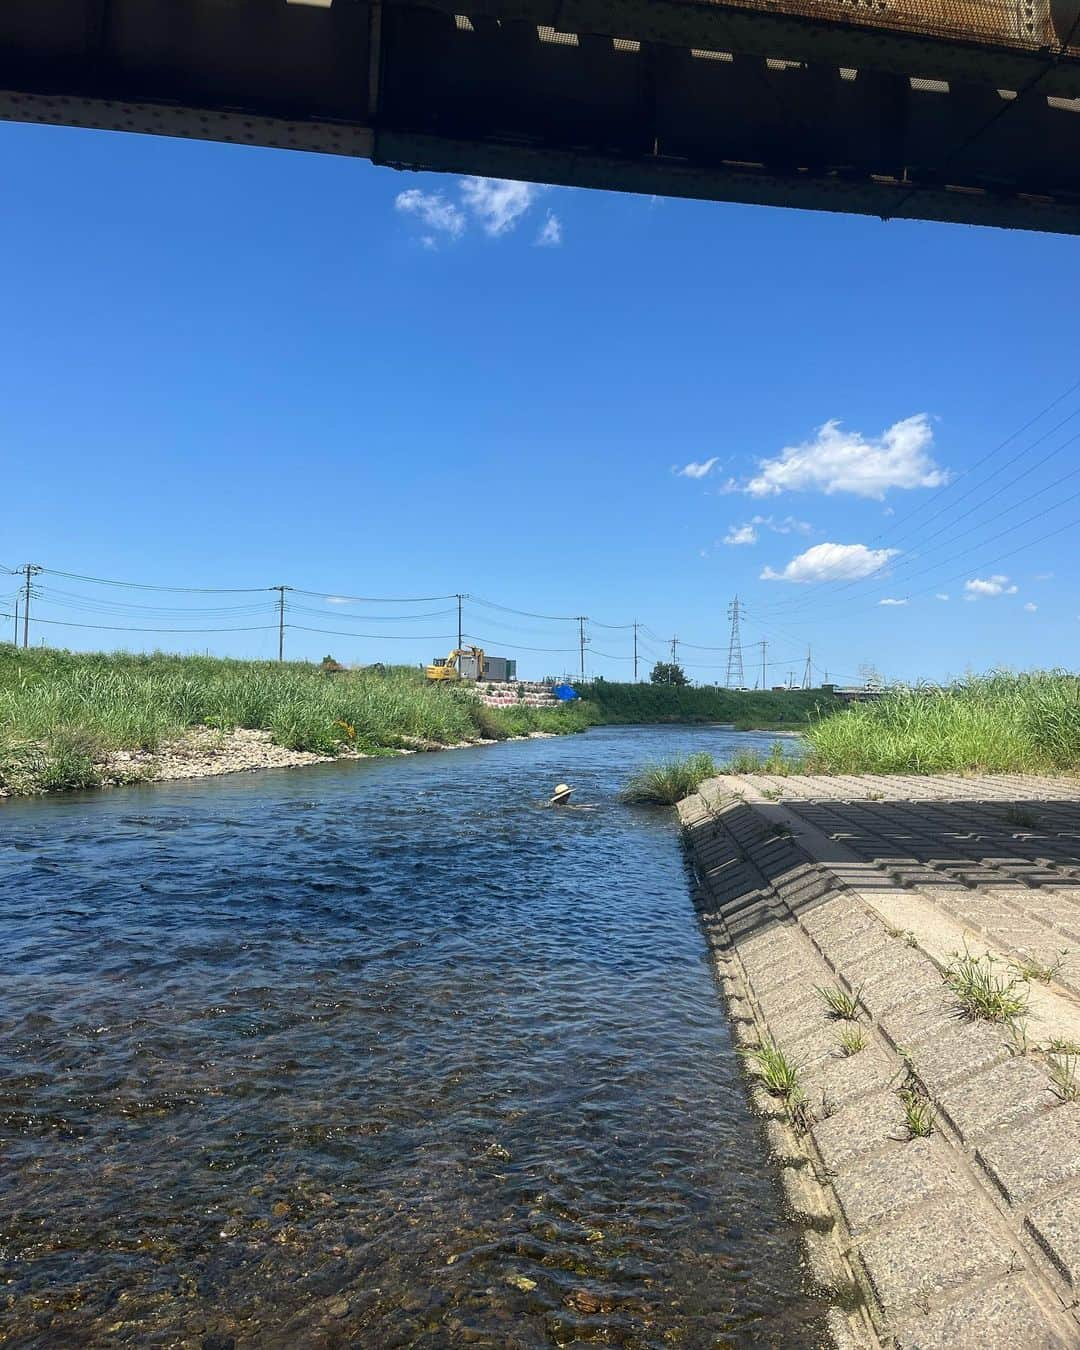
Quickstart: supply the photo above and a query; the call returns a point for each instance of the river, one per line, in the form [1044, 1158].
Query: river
[377, 1053]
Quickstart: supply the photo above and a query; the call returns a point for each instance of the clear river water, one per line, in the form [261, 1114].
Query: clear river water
[378, 1053]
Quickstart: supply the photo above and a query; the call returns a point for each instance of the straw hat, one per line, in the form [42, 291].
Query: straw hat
[561, 790]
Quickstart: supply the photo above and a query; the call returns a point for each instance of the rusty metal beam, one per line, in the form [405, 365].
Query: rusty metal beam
[695, 104]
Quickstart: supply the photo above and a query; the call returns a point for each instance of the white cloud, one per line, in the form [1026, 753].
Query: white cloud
[498, 203]
[550, 235]
[435, 212]
[749, 533]
[741, 534]
[696, 470]
[889, 601]
[995, 585]
[941, 595]
[832, 562]
[337, 600]
[846, 461]
[1030, 607]
[1044, 576]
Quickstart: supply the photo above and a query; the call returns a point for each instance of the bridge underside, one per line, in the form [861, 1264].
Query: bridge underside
[960, 110]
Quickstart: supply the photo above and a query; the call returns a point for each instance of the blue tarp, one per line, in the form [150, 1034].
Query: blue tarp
[564, 692]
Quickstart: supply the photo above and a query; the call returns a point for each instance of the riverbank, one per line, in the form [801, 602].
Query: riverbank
[77, 720]
[996, 723]
[899, 960]
[613, 704]
[203, 752]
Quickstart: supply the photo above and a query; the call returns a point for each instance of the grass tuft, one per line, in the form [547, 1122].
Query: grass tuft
[983, 995]
[1028, 968]
[852, 1040]
[839, 1003]
[918, 1113]
[781, 761]
[1065, 1077]
[779, 1075]
[666, 784]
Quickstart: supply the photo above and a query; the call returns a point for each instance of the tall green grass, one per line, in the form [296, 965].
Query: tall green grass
[1001, 722]
[62, 713]
[666, 784]
[610, 702]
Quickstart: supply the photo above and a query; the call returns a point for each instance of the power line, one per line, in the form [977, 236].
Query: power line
[912, 557]
[374, 599]
[889, 532]
[550, 651]
[114, 628]
[379, 637]
[144, 586]
[525, 613]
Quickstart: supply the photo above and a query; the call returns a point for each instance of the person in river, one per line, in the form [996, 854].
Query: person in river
[561, 797]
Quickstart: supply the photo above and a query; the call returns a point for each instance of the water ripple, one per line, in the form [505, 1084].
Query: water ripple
[376, 1054]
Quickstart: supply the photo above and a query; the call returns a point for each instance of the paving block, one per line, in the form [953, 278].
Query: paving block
[782, 998]
[893, 957]
[783, 1144]
[799, 1019]
[848, 1333]
[760, 917]
[943, 1246]
[837, 913]
[957, 1052]
[826, 1269]
[1002, 1095]
[876, 1190]
[811, 1045]
[805, 1198]
[1055, 1225]
[789, 969]
[1004, 1315]
[868, 1126]
[840, 953]
[1032, 1157]
[925, 1014]
[836, 1080]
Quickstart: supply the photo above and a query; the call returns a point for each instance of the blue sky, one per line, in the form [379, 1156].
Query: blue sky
[234, 367]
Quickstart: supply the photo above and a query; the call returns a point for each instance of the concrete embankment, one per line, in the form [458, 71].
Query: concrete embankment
[934, 1157]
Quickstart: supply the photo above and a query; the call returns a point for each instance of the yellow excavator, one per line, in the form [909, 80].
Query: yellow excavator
[464, 663]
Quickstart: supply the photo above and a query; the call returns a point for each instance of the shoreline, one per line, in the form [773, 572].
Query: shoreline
[204, 752]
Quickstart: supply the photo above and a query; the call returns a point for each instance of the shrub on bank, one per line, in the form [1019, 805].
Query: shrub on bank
[668, 783]
[62, 713]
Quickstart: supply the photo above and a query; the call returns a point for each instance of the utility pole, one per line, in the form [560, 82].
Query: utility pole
[281, 620]
[459, 600]
[735, 676]
[636, 626]
[31, 570]
[806, 681]
[674, 650]
[581, 641]
[763, 644]
[15, 637]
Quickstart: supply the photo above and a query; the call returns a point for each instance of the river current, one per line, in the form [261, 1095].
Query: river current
[378, 1053]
